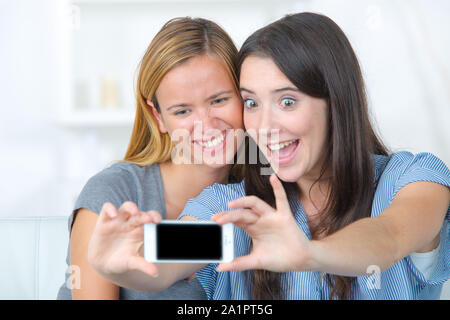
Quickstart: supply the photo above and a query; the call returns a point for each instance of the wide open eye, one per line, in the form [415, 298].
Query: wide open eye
[250, 103]
[287, 102]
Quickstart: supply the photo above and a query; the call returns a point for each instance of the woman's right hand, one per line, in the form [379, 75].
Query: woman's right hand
[117, 243]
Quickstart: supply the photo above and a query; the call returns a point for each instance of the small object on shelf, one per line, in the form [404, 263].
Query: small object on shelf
[81, 97]
[109, 92]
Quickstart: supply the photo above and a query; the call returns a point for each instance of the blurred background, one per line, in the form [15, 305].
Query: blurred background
[67, 72]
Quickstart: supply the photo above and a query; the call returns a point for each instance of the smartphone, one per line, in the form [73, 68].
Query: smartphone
[188, 242]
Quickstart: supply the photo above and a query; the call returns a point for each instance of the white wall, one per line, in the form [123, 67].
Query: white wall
[33, 82]
[44, 162]
[403, 48]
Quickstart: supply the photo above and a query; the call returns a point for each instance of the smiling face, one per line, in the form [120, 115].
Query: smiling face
[201, 110]
[295, 122]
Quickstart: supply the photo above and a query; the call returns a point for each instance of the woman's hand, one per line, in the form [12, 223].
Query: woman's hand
[116, 245]
[278, 243]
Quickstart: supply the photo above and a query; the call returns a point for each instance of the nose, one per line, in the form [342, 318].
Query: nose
[265, 119]
[270, 120]
[267, 124]
[205, 120]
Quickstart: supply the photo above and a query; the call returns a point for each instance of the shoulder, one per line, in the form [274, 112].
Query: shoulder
[405, 167]
[405, 161]
[213, 199]
[124, 173]
[222, 193]
[117, 183]
[228, 191]
[130, 170]
[399, 169]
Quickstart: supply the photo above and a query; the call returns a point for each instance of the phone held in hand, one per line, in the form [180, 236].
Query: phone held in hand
[188, 242]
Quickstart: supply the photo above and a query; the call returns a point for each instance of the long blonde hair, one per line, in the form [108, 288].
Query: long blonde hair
[178, 40]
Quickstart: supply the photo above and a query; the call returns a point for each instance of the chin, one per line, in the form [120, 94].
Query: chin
[215, 165]
[288, 174]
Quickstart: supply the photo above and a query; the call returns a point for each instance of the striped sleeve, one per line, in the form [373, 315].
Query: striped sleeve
[202, 207]
[427, 167]
[422, 167]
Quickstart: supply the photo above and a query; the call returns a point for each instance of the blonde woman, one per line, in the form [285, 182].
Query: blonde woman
[187, 87]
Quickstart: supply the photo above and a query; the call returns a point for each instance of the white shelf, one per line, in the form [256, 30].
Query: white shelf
[98, 118]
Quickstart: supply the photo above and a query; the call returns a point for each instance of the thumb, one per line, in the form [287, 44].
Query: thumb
[239, 264]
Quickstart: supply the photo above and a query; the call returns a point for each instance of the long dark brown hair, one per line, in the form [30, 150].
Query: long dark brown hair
[316, 56]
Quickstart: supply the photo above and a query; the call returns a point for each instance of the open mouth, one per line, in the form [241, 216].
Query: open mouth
[213, 142]
[283, 152]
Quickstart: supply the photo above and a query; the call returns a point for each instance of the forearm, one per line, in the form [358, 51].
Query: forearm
[353, 249]
[137, 280]
[411, 223]
[168, 274]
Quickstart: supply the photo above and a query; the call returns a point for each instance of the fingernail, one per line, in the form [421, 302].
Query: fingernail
[155, 275]
[111, 213]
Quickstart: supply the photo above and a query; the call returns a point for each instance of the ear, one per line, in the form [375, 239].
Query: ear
[157, 115]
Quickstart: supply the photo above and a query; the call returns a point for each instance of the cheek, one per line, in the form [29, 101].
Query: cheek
[250, 121]
[320, 126]
[300, 124]
[313, 129]
[233, 114]
[179, 128]
[309, 121]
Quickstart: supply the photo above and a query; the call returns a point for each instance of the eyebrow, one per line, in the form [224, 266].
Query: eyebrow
[247, 90]
[273, 91]
[285, 89]
[178, 105]
[212, 97]
[218, 94]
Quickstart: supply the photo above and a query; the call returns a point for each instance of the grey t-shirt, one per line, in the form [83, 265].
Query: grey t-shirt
[142, 185]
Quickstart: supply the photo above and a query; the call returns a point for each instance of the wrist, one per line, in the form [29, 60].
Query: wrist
[314, 256]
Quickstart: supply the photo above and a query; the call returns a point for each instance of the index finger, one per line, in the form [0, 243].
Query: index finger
[107, 212]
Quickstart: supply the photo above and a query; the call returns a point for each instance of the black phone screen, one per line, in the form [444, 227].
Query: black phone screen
[188, 242]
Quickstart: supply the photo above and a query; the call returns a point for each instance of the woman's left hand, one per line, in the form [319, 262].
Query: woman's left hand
[278, 243]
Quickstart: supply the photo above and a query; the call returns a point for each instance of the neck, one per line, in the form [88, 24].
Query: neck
[314, 193]
[313, 190]
[178, 187]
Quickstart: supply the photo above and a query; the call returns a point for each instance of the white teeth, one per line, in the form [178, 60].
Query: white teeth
[212, 143]
[278, 146]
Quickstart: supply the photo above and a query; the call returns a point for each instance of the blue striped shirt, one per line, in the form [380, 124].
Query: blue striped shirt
[401, 281]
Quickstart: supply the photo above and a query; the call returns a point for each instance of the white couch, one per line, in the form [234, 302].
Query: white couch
[33, 258]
